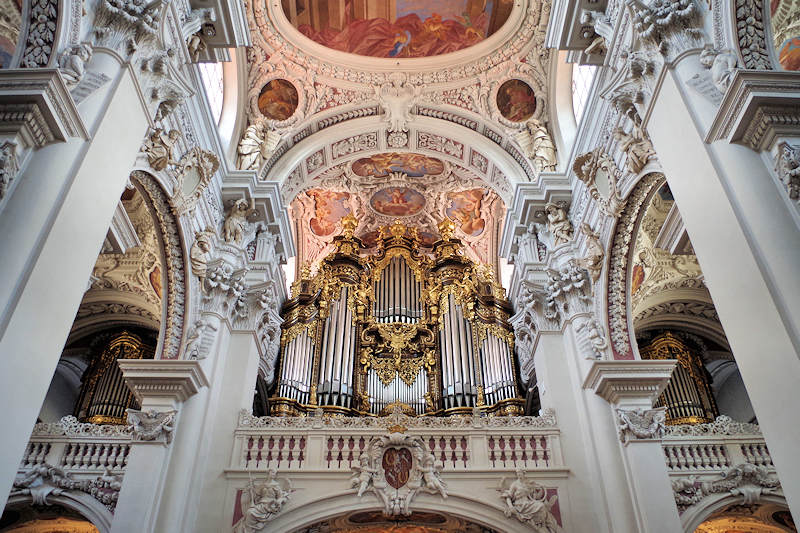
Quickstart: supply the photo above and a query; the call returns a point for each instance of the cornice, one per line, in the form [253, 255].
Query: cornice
[165, 379]
[36, 104]
[629, 382]
[758, 107]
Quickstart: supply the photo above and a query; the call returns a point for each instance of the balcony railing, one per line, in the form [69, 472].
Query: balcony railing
[334, 444]
[714, 447]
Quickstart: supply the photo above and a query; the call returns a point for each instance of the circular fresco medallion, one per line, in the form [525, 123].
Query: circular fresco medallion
[278, 100]
[516, 101]
[397, 201]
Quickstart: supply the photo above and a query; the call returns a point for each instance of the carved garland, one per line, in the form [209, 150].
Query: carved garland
[618, 264]
[41, 34]
[174, 262]
[751, 35]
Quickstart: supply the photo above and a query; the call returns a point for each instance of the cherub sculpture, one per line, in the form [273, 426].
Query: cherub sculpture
[527, 501]
[236, 224]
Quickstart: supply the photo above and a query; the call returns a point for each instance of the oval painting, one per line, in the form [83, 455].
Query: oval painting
[516, 101]
[398, 28]
[397, 201]
[278, 100]
[410, 164]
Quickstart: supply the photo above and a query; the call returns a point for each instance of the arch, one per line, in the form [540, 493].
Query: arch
[702, 511]
[496, 167]
[474, 510]
[620, 319]
[82, 503]
[173, 248]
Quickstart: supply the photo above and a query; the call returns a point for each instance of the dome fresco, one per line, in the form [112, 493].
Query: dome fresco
[397, 28]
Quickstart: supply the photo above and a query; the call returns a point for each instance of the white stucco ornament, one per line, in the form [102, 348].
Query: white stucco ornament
[396, 467]
[527, 501]
[262, 503]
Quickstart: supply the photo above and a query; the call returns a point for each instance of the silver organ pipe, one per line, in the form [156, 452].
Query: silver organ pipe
[347, 359]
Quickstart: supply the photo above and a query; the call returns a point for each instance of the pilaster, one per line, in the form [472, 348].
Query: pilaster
[631, 387]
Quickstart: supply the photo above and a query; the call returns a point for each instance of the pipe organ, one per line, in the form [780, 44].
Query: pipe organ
[104, 397]
[426, 331]
[687, 398]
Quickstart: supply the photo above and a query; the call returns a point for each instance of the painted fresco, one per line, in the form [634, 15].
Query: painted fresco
[789, 54]
[464, 208]
[397, 201]
[413, 165]
[783, 19]
[637, 277]
[329, 208]
[278, 100]
[397, 28]
[516, 101]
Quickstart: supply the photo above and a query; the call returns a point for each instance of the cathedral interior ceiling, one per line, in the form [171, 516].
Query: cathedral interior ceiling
[377, 522]
[479, 106]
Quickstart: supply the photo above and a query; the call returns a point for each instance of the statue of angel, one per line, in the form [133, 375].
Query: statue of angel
[558, 224]
[362, 474]
[72, 63]
[542, 147]
[261, 503]
[151, 424]
[431, 476]
[236, 223]
[159, 148]
[527, 501]
[199, 254]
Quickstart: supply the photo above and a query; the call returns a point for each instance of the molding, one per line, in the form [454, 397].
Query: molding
[627, 382]
[36, 105]
[759, 107]
[161, 378]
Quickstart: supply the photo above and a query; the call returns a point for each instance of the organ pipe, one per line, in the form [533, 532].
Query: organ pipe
[426, 332]
[687, 397]
[104, 397]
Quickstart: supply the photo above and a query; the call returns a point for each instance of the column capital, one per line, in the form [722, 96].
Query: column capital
[35, 104]
[759, 107]
[162, 381]
[629, 383]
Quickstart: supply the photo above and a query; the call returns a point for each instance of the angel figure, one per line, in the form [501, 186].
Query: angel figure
[159, 148]
[431, 476]
[593, 260]
[199, 254]
[72, 63]
[558, 224]
[255, 146]
[151, 424]
[266, 501]
[722, 65]
[638, 148]
[527, 501]
[236, 224]
[542, 147]
[362, 474]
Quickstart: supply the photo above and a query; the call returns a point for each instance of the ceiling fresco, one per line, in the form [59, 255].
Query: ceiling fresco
[784, 16]
[397, 28]
[410, 164]
[397, 201]
[377, 197]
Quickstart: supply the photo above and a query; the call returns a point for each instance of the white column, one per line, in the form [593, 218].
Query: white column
[51, 230]
[599, 496]
[749, 249]
[631, 387]
[161, 387]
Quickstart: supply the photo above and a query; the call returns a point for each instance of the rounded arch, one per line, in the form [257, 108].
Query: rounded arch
[80, 502]
[174, 259]
[702, 511]
[429, 136]
[474, 510]
[620, 319]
